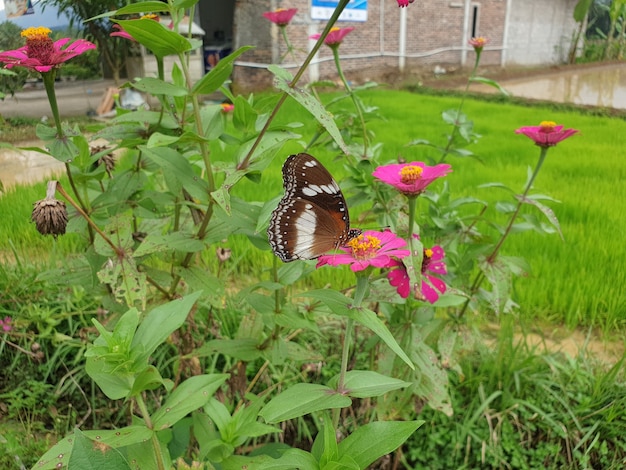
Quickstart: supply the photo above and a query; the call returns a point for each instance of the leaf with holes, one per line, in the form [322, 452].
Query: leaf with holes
[283, 81]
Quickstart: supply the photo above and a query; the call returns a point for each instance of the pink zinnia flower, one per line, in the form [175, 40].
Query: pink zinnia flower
[432, 262]
[546, 134]
[335, 36]
[371, 248]
[404, 3]
[411, 178]
[227, 107]
[42, 54]
[281, 16]
[478, 43]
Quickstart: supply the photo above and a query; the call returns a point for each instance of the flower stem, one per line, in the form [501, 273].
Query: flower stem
[290, 49]
[90, 222]
[155, 440]
[455, 128]
[48, 81]
[333, 19]
[480, 277]
[353, 97]
[362, 280]
[412, 206]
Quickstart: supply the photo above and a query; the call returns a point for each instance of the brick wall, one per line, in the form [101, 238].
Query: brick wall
[437, 34]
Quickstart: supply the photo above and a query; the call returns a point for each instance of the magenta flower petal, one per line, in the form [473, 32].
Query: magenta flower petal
[411, 178]
[371, 248]
[335, 36]
[546, 134]
[430, 293]
[399, 278]
[432, 286]
[281, 16]
[404, 3]
[120, 33]
[478, 43]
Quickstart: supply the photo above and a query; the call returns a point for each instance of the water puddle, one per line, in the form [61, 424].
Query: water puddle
[26, 166]
[598, 86]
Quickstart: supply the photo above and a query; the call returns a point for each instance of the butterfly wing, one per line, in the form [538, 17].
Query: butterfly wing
[312, 217]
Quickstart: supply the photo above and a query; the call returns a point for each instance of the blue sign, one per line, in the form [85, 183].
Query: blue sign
[323, 9]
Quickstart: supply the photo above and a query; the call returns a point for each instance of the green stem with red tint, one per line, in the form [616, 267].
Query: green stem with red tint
[353, 97]
[362, 282]
[333, 19]
[455, 128]
[48, 81]
[480, 277]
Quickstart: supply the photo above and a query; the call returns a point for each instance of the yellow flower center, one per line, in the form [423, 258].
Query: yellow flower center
[150, 16]
[278, 10]
[410, 174]
[547, 126]
[36, 33]
[38, 44]
[334, 28]
[428, 253]
[364, 246]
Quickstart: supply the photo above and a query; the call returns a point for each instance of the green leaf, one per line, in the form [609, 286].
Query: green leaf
[125, 280]
[500, 279]
[192, 394]
[176, 241]
[373, 440]
[341, 305]
[156, 37]
[301, 399]
[59, 455]
[142, 7]
[156, 86]
[581, 9]
[325, 447]
[245, 349]
[491, 83]
[88, 454]
[160, 322]
[308, 102]
[213, 80]
[292, 458]
[148, 379]
[366, 383]
[177, 166]
[545, 210]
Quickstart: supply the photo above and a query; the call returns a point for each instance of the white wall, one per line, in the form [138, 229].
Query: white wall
[539, 31]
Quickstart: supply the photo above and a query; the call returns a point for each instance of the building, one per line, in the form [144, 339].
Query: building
[428, 33]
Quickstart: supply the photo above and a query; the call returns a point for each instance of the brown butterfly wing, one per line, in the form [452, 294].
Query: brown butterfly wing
[312, 217]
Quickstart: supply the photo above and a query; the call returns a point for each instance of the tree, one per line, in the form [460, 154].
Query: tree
[580, 13]
[12, 80]
[114, 51]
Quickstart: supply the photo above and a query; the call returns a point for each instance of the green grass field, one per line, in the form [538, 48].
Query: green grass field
[578, 281]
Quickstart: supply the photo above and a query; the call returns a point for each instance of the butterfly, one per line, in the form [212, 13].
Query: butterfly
[312, 217]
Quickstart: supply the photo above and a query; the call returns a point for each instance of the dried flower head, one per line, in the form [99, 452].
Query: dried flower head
[50, 214]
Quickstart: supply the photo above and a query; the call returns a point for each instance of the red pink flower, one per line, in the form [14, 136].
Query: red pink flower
[547, 133]
[41, 53]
